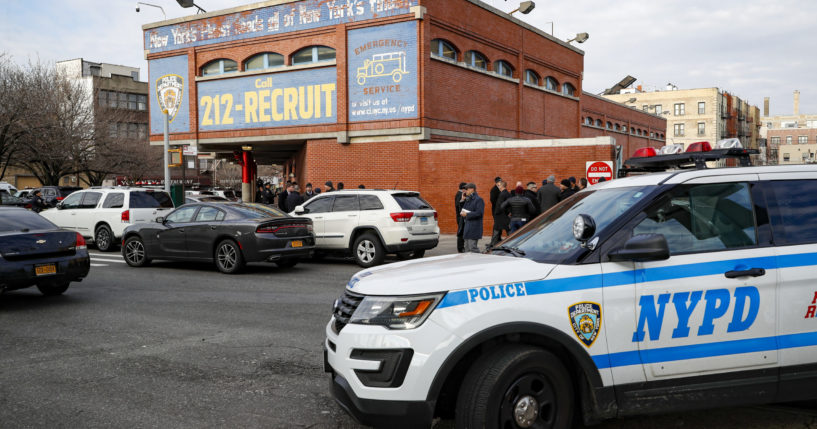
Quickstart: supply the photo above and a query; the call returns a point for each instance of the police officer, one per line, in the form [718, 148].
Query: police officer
[37, 203]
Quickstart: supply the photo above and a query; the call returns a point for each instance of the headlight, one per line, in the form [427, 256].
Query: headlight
[404, 312]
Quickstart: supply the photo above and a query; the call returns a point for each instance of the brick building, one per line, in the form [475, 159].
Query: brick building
[792, 139]
[413, 94]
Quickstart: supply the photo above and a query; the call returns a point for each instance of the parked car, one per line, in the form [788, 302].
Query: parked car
[101, 214]
[24, 194]
[189, 199]
[226, 193]
[369, 223]
[53, 194]
[8, 187]
[35, 252]
[229, 234]
[7, 199]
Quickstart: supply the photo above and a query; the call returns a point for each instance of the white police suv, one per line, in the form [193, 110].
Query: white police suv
[668, 291]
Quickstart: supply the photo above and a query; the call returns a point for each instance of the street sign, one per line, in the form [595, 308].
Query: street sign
[598, 169]
[175, 157]
[190, 150]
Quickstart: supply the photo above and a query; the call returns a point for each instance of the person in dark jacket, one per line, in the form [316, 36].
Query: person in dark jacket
[520, 207]
[259, 194]
[282, 197]
[494, 194]
[501, 220]
[548, 194]
[472, 211]
[329, 187]
[582, 183]
[567, 189]
[458, 201]
[37, 202]
[309, 192]
[573, 184]
[294, 199]
[341, 186]
[530, 193]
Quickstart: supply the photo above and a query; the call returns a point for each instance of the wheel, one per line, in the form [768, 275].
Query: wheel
[378, 69]
[418, 254]
[103, 238]
[361, 79]
[396, 76]
[368, 251]
[228, 257]
[517, 386]
[134, 252]
[53, 289]
[287, 263]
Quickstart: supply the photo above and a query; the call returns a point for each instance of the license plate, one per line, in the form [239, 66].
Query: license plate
[44, 270]
[297, 243]
[423, 220]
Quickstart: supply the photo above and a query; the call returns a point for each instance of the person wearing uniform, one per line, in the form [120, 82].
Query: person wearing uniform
[472, 211]
[37, 203]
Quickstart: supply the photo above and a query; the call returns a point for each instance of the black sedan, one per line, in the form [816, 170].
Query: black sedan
[34, 251]
[230, 234]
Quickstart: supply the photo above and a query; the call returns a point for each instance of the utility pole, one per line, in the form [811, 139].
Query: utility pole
[167, 152]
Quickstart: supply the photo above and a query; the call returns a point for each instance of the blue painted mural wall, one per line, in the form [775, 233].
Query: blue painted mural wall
[303, 97]
[269, 20]
[174, 68]
[383, 72]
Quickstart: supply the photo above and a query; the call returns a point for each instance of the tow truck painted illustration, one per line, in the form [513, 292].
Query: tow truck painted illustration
[391, 64]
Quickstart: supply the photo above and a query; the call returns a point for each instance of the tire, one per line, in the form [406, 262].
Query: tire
[104, 239]
[287, 263]
[229, 259]
[507, 385]
[134, 252]
[53, 289]
[418, 254]
[368, 251]
[396, 76]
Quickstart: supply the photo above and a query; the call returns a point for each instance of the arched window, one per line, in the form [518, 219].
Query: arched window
[266, 60]
[531, 77]
[568, 89]
[441, 48]
[477, 60]
[503, 68]
[638, 131]
[609, 125]
[632, 130]
[220, 66]
[599, 123]
[313, 54]
[551, 84]
[588, 120]
[618, 127]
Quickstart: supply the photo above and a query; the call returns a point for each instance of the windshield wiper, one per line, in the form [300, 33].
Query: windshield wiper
[512, 250]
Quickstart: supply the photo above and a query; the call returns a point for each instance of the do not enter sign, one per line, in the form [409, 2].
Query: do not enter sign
[598, 169]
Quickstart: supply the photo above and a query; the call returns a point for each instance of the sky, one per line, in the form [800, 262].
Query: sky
[751, 48]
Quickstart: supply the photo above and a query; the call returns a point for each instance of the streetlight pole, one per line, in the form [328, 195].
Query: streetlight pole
[167, 152]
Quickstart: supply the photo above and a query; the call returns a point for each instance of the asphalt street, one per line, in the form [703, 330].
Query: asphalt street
[180, 345]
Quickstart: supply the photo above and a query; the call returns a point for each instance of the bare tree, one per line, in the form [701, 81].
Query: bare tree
[13, 109]
[59, 125]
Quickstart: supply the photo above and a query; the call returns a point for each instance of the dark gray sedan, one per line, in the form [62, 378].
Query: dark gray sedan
[230, 234]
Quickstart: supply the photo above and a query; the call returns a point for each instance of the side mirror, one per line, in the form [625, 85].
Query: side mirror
[300, 210]
[642, 248]
[59, 206]
[160, 219]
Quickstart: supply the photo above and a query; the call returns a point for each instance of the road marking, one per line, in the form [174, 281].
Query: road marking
[118, 261]
[99, 265]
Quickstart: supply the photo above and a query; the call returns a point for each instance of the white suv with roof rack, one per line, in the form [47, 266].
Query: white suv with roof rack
[102, 214]
[370, 223]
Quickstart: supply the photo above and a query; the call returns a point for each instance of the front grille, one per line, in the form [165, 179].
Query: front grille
[346, 306]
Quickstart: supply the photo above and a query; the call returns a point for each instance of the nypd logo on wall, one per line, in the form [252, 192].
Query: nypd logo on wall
[585, 317]
[169, 90]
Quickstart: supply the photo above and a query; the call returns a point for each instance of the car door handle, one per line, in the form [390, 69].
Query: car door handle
[753, 272]
[354, 215]
[318, 217]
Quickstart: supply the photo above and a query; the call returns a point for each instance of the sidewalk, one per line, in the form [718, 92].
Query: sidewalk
[448, 245]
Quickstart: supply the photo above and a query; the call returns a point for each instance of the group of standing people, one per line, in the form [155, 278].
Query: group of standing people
[289, 196]
[510, 209]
